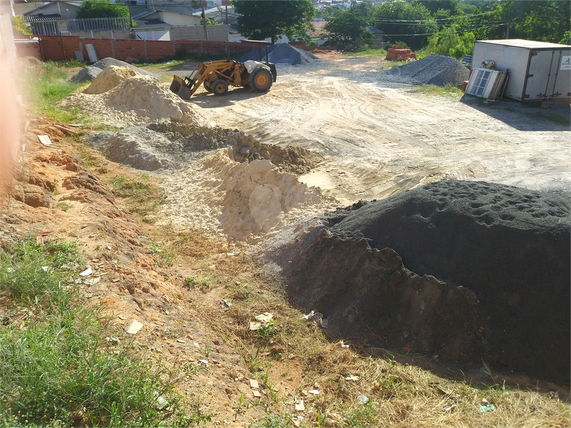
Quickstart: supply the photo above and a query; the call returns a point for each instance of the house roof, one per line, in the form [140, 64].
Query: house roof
[70, 3]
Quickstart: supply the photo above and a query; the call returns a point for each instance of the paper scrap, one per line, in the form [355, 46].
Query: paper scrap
[135, 327]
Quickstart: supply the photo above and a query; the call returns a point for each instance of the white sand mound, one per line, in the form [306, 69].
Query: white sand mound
[109, 78]
[242, 200]
[137, 100]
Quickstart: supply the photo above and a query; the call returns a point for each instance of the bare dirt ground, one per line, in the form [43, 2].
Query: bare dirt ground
[376, 141]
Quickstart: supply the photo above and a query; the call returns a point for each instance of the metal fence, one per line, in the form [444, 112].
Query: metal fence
[90, 24]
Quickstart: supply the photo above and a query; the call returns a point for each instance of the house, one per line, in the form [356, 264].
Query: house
[50, 18]
[173, 19]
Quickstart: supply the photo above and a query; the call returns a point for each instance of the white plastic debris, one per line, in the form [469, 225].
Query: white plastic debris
[254, 384]
[313, 391]
[363, 399]
[205, 362]
[180, 341]
[86, 272]
[135, 327]
[45, 140]
[299, 406]
[45, 268]
[352, 377]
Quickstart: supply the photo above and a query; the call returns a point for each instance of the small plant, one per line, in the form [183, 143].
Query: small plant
[190, 282]
[360, 417]
[279, 420]
[55, 184]
[267, 331]
[64, 206]
[241, 400]
[207, 348]
[142, 195]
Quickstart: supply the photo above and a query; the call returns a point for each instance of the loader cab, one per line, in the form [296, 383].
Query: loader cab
[263, 55]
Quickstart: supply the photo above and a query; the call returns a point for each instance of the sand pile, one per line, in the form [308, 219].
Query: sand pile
[282, 53]
[137, 100]
[109, 78]
[466, 271]
[242, 200]
[436, 70]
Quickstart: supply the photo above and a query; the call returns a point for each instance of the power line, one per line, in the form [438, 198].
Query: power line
[431, 20]
[432, 34]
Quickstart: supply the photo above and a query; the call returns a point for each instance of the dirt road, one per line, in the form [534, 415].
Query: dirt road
[376, 140]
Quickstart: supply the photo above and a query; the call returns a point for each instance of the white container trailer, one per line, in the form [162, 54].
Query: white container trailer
[538, 70]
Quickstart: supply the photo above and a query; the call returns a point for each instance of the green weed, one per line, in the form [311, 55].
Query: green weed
[442, 91]
[56, 368]
[47, 84]
[368, 52]
[142, 195]
[360, 417]
[279, 420]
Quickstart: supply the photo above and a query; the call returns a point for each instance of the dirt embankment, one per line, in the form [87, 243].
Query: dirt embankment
[466, 271]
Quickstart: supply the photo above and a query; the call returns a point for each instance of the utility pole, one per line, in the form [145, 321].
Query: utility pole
[508, 31]
[204, 19]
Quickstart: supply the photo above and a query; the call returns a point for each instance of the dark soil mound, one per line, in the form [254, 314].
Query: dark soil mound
[436, 70]
[470, 271]
[282, 53]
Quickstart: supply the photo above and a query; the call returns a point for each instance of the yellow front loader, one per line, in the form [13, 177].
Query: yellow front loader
[217, 76]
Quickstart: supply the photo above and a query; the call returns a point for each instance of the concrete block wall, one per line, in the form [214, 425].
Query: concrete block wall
[196, 32]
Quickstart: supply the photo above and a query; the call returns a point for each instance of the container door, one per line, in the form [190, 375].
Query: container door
[541, 76]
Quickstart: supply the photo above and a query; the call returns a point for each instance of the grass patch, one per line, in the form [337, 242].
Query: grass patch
[47, 84]
[368, 52]
[141, 194]
[440, 91]
[57, 370]
[556, 118]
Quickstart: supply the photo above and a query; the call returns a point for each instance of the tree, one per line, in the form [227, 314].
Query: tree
[536, 20]
[102, 9]
[261, 19]
[449, 42]
[20, 27]
[409, 22]
[348, 29]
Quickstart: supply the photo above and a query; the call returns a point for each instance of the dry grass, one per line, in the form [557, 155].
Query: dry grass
[297, 354]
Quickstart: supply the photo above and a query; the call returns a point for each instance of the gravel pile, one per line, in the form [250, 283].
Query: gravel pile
[106, 62]
[468, 271]
[166, 144]
[436, 70]
[282, 53]
[85, 75]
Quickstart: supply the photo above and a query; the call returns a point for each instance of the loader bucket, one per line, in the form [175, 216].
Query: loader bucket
[179, 87]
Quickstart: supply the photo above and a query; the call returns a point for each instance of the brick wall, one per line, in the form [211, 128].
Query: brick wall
[61, 48]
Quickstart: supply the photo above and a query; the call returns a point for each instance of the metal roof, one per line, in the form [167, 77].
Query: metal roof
[520, 43]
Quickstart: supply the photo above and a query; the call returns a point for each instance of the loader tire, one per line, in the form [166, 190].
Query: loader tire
[220, 87]
[260, 79]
